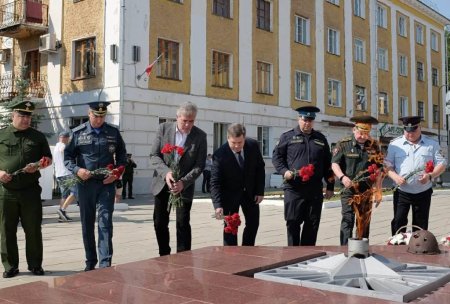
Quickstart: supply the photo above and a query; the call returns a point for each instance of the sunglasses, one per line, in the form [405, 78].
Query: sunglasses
[410, 129]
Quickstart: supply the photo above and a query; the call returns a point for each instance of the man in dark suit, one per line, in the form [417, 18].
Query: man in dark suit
[238, 179]
[181, 133]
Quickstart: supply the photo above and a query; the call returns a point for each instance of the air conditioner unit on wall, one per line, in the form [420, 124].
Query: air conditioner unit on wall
[4, 55]
[47, 43]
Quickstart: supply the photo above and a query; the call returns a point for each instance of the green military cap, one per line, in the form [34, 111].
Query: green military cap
[364, 122]
[24, 107]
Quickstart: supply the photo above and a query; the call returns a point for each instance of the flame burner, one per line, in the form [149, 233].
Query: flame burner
[374, 276]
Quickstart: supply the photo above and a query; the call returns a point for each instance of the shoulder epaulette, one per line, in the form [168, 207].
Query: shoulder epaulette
[80, 127]
[398, 137]
[290, 130]
[348, 138]
[112, 125]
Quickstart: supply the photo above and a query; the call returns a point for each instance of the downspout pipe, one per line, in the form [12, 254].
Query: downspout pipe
[121, 64]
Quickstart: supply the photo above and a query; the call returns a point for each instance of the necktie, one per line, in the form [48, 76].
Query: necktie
[240, 160]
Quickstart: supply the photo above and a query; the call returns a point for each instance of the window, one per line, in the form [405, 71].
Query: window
[177, 1]
[222, 8]
[220, 134]
[383, 103]
[263, 78]
[419, 34]
[360, 98]
[164, 119]
[76, 121]
[419, 71]
[336, 2]
[381, 16]
[302, 30]
[420, 109]
[403, 65]
[360, 50]
[435, 113]
[169, 64]
[263, 14]
[263, 140]
[434, 77]
[382, 59]
[359, 8]
[434, 41]
[220, 70]
[402, 26]
[303, 86]
[84, 58]
[403, 106]
[334, 93]
[333, 42]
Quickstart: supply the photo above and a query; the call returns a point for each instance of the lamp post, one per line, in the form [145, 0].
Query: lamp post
[439, 112]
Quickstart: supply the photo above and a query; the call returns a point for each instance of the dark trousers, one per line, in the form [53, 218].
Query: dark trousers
[161, 223]
[251, 215]
[420, 203]
[127, 181]
[206, 180]
[348, 221]
[25, 206]
[94, 196]
[302, 210]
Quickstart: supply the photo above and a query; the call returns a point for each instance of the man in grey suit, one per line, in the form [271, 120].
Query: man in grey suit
[184, 134]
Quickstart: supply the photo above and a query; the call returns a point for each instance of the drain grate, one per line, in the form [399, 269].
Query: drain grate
[375, 276]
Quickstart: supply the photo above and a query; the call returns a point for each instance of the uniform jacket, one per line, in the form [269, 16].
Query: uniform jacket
[296, 150]
[91, 151]
[191, 163]
[19, 148]
[230, 185]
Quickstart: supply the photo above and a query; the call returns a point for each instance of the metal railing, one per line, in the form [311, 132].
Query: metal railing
[23, 11]
[37, 87]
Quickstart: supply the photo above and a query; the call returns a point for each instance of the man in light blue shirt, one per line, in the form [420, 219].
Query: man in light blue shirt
[406, 160]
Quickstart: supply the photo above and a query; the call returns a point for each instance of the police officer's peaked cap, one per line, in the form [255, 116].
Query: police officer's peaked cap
[24, 107]
[410, 123]
[307, 112]
[364, 122]
[64, 134]
[99, 108]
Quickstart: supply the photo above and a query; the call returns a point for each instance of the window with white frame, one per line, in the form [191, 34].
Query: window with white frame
[382, 59]
[359, 8]
[220, 134]
[434, 77]
[434, 41]
[169, 64]
[263, 140]
[360, 50]
[403, 106]
[381, 16]
[302, 86]
[263, 77]
[435, 114]
[333, 42]
[335, 2]
[165, 119]
[420, 109]
[402, 26]
[419, 34]
[85, 53]
[403, 65]
[263, 15]
[220, 70]
[334, 93]
[360, 98]
[77, 120]
[302, 30]
[420, 76]
[383, 103]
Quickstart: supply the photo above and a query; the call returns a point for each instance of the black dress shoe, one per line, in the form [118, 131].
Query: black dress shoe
[10, 273]
[131, 197]
[38, 271]
[89, 268]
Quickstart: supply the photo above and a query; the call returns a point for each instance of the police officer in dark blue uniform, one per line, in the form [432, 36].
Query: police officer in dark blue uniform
[93, 146]
[303, 200]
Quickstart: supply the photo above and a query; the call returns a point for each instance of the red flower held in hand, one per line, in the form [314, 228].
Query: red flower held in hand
[429, 166]
[44, 162]
[110, 167]
[232, 223]
[306, 172]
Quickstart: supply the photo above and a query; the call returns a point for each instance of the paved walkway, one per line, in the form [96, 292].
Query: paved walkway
[134, 237]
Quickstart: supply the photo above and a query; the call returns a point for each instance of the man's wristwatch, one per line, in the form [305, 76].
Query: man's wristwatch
[430, 176]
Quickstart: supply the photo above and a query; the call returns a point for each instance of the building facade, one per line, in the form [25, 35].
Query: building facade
[240, 61]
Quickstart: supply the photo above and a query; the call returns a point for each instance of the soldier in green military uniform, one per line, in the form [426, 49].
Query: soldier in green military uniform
[23, 151]
[350, 157]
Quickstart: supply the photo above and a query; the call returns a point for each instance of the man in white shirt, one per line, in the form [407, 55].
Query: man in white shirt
[62, 173]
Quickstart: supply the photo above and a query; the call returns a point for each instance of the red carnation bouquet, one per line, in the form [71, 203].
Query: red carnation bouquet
[108, 170]
[428, 168]
[44, 162]
[305, 173]
[174, 154]
[232, 223]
